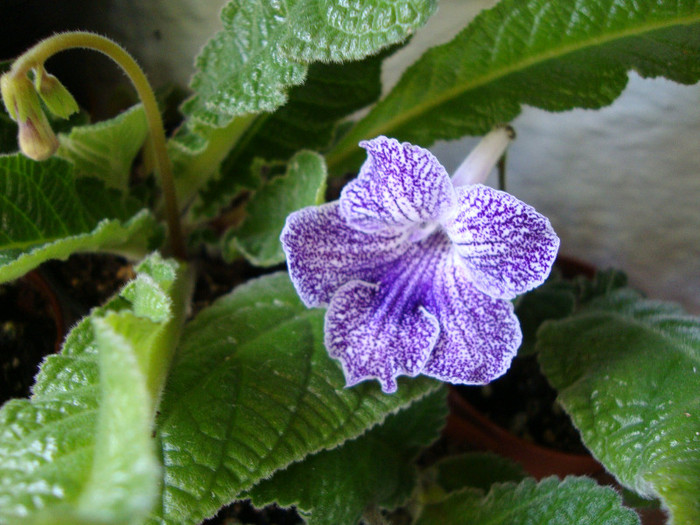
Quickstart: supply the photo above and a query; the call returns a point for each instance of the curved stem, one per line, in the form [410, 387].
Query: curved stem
[36, 57]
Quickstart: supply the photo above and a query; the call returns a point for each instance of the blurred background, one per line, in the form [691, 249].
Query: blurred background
[621, 185]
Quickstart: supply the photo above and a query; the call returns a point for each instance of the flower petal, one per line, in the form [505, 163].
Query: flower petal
[399, 185]
[383, 330]
[479, 335]
[377, 345]
[507, 246]
[323, 252]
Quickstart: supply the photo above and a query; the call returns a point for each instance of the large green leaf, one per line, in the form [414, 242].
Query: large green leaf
[258, 237]
[552, 501]
[546, 53]
[253, 390]
[80, 449]
[45, 215]
[265, 48]
[375, 469]
[107, 149]
[628, 373]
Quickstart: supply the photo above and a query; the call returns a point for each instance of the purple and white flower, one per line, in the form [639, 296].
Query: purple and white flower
[417, 270]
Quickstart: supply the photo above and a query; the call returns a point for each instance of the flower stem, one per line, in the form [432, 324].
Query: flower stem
[37, 55]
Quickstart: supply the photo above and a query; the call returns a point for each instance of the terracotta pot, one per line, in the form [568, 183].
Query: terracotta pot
[465, 425]
[39, 284]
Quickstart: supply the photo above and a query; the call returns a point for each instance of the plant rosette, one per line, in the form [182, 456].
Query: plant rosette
[161, 410]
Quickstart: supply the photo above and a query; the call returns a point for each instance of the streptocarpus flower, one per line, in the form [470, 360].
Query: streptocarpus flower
[418, 270]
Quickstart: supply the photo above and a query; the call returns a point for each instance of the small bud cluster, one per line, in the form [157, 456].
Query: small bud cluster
[22, 98]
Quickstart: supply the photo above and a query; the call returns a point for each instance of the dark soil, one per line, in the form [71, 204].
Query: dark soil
[27, 334]
[37, 310]
[523, 403]
[241, 512]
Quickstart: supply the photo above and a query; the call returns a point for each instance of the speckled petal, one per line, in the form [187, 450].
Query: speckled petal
[382, 330]
[479, 335]
[372, 346]
[323, 252]
[506, 245]
[399, 185]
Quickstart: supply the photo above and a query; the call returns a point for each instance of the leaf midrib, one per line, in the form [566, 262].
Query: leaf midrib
[518, 66]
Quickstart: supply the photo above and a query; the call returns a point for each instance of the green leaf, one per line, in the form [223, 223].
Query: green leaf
[628, 373]
[258, 237]
[375, 469]
[557, 298]
[47, 215]
[265, 48]
[478, 470]
[80, 449]
[306, 121]
[196, 158]
[107, 149]
[545, 53]
[253, 390]
[555, 502]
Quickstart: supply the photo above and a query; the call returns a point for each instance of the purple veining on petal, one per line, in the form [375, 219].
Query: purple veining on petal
[399, 185]
[507, 246]
[382, 330]
[324, 253]
[479, 335]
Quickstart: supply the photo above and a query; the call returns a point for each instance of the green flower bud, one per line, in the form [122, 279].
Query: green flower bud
[36, 138]
[57, 98]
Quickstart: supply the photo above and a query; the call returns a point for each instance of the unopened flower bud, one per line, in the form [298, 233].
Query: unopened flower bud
[36, 138]
[57, 98]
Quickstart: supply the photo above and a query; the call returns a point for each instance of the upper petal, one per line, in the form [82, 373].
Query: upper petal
[324, 252]
[479, 335]
[507, 246]
[399, 185]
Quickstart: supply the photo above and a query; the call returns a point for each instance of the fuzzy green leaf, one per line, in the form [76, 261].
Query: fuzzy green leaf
[558, 298]
[265, 48]
[196, 157]
[80, 449]
[545, 53]
[478, 470]
[46, 215]
[552, 501]
[258, 237]
[106, 150]
[374, 469]
[628, 373]
[307, 121]
[253, 390]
